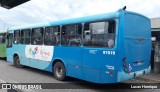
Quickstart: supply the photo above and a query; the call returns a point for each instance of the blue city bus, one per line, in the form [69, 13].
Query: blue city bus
[104, 48]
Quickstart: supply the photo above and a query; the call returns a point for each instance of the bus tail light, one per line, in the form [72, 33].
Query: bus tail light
[124, 64]
[124, 61]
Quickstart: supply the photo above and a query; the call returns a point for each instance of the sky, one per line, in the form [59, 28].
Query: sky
[40, 11]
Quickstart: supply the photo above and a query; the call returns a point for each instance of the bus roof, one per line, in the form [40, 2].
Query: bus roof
[111, 15]
[137, 14]
[70, 21]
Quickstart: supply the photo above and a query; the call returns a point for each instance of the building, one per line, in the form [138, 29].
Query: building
[155, 25]
[155, 55]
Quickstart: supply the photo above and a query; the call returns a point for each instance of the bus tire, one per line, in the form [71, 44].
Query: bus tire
[59, 71]
[17, 62]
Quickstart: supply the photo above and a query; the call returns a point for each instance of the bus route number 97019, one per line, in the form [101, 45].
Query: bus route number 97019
[109, 52]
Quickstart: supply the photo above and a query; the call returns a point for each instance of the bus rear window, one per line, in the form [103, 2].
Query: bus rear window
[99, 34]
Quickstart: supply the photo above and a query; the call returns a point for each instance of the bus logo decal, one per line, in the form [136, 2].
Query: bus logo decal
[44, 53]
[33, 51]
[39, 52]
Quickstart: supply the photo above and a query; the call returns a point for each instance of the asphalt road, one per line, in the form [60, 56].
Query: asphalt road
[11, 74]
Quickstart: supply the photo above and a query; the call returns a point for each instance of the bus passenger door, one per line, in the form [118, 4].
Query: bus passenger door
[9, 50]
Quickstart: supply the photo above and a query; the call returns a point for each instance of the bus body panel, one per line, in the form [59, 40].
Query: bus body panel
[137, 41]
[99, 65]
[71, 57]
[96, 68]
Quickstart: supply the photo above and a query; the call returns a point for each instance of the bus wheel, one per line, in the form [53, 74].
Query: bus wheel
[59, 71]
[17, 62]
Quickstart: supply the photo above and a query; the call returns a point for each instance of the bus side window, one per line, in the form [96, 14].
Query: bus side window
[37, 36]
[51, 36]
[99, 34]
[25, 36]
[71, 35]
[17, 36]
